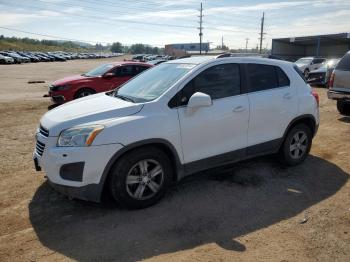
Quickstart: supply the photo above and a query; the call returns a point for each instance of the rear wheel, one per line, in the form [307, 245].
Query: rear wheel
[140, 178]
[296, 146]
[343, 107]
[84, 92]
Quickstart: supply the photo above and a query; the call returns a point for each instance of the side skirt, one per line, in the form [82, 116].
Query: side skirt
[265, 148]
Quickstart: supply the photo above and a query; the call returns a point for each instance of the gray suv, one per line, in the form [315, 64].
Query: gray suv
[339, 85]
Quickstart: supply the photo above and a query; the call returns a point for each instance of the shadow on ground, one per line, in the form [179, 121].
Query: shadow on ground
[212, 207]
[345, 119]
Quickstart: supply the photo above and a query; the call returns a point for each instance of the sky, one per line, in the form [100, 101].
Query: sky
[160, 22]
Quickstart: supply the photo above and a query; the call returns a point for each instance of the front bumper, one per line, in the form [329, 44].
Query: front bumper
[338, 95]
[86, 183]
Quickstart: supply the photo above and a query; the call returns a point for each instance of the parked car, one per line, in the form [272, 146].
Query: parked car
[173, 120]
[339, 85]
[6, 59]
[156, 62]
[322, 75]
[307, 64]
[101, 79]
[18, 59]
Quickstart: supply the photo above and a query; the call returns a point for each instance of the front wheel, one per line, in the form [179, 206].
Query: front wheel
[140, 178]
[296, 146]
[84, 92]
[306, 73]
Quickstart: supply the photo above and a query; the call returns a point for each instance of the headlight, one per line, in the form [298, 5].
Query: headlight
[79, 136]
[63, 87]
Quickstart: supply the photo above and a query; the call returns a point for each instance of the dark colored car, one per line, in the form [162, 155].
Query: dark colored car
[322, 75]
[101, 79]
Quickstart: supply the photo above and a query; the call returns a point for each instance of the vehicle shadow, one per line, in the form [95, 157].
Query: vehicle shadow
[52, 106]
[212, 207]
[345, 119]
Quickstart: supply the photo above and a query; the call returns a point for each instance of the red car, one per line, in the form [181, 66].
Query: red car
[101, 79]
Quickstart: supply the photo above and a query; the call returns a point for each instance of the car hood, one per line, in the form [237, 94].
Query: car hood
[71, 79]
[97, 108]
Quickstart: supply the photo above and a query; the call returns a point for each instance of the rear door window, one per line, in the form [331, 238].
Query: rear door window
[138, 69]
[318, 60]
[344, 63]
[124, 71]
[261, 77]
[283, 79]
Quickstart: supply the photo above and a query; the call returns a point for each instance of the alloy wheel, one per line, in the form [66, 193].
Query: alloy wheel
[298, 145]
[145, 179]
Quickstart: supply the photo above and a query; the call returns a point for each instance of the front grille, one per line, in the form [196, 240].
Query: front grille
[40, 148]
[43, 131]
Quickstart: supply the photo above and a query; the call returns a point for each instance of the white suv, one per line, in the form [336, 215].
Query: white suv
[173, 120]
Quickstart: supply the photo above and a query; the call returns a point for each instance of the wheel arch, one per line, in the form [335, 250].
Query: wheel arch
[162, 144]
[307, 119]
[81, 88]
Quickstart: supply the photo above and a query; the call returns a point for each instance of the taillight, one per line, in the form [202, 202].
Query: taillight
[331, 80]
[317, 97]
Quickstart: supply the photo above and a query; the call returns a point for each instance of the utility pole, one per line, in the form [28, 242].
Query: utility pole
[262, 31]
[246, 45]
[222, 43]
[200, 29]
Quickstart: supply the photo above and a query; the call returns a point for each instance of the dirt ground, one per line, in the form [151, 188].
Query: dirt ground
[256, 211]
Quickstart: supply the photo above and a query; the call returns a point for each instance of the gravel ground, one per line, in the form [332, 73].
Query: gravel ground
[254, 210]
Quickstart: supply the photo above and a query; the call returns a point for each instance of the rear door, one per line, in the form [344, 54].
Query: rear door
[273, 104]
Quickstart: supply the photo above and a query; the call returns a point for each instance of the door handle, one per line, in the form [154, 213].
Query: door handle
[287, 96]
[238, 109]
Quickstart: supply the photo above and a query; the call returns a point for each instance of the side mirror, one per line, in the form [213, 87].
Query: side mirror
[199, 99]
[109, 75]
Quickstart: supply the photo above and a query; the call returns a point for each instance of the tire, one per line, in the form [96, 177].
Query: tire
[141, 191]
[84, 92]
[301, 148]
[343, 107]
[306, 73]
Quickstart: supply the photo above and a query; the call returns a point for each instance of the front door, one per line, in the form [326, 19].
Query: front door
[220, 128]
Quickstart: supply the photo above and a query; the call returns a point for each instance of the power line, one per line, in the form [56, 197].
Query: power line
[52, 36]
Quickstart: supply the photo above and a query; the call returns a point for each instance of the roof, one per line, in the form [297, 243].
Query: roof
[127, 63]
[207, 59]
[311, 40]
[192, 60]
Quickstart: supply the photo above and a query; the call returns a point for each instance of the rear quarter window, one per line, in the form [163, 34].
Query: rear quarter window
[344, 63]
[300, 73]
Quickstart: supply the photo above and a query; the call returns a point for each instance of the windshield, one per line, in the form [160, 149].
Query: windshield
[303, 61]
[99, 70]
[153, 83]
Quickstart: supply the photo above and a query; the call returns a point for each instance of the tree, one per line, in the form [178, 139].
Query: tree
[117, 47]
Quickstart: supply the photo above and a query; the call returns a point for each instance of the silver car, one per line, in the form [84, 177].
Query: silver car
[339, 85]
[6, 59]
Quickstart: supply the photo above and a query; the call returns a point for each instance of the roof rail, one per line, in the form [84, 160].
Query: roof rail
[227, 54]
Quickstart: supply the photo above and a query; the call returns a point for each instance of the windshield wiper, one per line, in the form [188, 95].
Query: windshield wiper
[125, 98]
